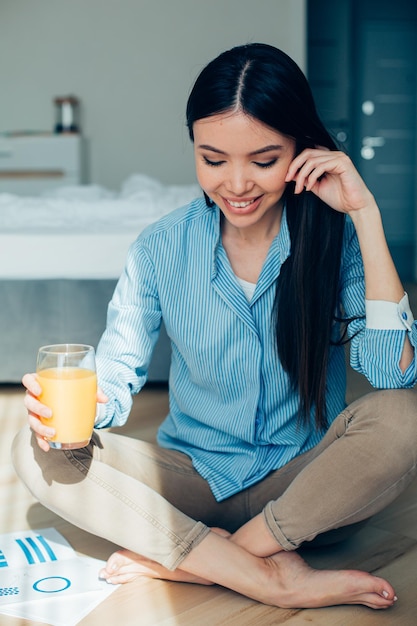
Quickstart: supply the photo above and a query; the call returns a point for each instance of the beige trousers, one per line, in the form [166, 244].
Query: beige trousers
[152, 501]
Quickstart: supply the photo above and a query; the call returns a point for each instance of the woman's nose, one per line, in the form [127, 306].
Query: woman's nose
[239, 182]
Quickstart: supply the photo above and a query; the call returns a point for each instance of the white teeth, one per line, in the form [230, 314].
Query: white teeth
[240, 205]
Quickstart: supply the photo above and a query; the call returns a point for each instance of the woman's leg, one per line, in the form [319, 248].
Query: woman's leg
[114, 502]
[282, 579]
[359, 437]
[111, 489]
[366, 459]
[132, 493]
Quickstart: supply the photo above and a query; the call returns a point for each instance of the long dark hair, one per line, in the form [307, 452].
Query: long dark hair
[266, 84]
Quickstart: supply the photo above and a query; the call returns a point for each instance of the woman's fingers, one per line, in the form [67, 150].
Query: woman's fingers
[42, 432]
[31, 402]
[310, 166]
[332, 176]
[36, 410]
[31, 383]
[101, 396]
[35, 407]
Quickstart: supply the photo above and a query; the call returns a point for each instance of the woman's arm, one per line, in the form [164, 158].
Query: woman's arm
[126, 346]
[332, 176]
[381, 278]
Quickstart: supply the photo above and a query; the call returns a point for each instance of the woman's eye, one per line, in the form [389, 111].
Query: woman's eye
[265, 164]
[212, 163]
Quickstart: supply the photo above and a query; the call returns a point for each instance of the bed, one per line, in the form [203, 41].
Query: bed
[60, 257]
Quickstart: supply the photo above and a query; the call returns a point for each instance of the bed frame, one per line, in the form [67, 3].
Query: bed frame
[34, 313]
[60, 258]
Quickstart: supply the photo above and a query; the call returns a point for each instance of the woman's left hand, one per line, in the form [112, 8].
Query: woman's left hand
[331, 176]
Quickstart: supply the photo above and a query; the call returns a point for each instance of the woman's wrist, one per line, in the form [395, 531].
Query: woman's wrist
[381, 277]
[368, 216]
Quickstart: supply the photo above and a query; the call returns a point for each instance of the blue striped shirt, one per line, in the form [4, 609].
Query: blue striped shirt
[232, 408]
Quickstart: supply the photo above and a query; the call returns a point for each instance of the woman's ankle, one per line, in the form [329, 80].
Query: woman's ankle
[219, 560]
[256, 538]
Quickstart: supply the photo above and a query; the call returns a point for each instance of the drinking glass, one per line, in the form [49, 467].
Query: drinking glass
[67, 375]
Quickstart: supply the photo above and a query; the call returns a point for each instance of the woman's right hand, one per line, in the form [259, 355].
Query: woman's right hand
[36, 410]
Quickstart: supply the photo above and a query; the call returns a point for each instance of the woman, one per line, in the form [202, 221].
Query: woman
[254, 283]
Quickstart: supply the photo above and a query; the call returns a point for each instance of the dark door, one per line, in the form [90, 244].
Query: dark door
[385, 128]
[362, 59]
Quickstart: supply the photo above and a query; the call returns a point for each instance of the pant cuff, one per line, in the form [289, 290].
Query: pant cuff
[197, 534]
[275, 529]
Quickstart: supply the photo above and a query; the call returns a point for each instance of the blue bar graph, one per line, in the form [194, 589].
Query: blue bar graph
[26, 551]
[47, 547]
[36, 550]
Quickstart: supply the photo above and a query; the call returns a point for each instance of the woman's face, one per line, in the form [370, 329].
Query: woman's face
[241, 164]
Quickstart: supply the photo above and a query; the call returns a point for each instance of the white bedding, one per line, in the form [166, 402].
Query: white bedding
[81, 232]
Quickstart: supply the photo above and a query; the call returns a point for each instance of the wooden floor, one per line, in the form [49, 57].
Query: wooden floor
[386, 546]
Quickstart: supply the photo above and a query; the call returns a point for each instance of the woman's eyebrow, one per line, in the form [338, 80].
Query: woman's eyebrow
[207, 147]
[267, 149]
[260, 151]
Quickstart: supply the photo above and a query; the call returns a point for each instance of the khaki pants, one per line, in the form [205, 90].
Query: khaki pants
[151, 500]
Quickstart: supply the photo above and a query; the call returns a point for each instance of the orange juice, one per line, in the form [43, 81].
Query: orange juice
[71, 393]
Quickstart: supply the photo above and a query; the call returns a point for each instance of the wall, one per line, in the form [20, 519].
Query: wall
[131, 63]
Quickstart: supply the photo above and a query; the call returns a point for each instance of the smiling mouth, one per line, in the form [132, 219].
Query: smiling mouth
[242, 204]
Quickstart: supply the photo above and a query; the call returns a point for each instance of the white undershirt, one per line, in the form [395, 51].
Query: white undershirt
[248, 288]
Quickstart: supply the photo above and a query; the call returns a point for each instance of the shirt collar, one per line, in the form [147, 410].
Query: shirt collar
[278, 252]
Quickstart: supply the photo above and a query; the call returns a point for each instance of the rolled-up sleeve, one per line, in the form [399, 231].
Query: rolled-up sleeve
[377, 329]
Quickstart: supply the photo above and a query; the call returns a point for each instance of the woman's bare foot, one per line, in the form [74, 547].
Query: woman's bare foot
[297, 585]
[283, 580]
[124, 566]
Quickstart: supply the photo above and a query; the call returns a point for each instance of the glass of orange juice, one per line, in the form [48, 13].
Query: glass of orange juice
[67, 375]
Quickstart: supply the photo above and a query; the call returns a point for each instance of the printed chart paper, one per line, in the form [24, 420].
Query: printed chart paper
[42, 578]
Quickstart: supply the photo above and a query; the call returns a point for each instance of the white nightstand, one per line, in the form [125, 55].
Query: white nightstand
[32, 164]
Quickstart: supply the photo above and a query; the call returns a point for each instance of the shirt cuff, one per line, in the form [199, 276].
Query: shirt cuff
[383, 315]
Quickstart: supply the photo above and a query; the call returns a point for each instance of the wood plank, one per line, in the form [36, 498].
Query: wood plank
[369, 550]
